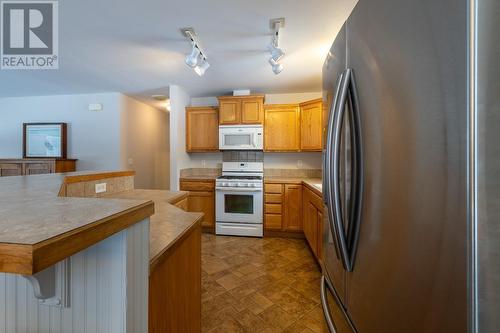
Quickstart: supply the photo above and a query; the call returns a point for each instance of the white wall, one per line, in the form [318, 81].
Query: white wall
[145, 143]
[103, 140]
[179, 159]
[93, 137]
[269, 99]
[271, 160]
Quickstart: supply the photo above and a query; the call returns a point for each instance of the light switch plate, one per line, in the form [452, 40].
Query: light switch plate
[95, 107]
[100, 188]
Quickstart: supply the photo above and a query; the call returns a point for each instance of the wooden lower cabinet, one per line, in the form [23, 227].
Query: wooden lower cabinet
[313, 220]
[35, 166]
[11, 169]
[283, 207]
[175, 288]
[201, 199]
[292, 220]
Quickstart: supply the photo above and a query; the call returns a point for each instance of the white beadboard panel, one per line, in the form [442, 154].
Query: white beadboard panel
[137, 279]
[109, 291]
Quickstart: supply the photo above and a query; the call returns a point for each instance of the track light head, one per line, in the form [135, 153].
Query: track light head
[276, 52]
[277, 67]
[192, 58]
[197, 59]
[202, 67]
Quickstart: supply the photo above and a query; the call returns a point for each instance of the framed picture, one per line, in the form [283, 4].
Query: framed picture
[44, 140]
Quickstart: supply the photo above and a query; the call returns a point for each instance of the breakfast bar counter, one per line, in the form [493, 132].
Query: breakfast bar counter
[69, 242]
[38, 228]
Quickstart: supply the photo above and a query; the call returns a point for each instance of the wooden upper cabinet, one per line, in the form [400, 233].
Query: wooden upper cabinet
[311, 125]
[202, 129]
[282, 127]
[252, 110]
[230, 112]
[235, 110]
[293, 208]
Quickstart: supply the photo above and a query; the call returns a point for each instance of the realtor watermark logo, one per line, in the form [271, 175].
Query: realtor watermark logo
[29, 35]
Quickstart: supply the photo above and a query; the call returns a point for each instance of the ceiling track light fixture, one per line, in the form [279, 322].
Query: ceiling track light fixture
[274, 49]
[197, 59]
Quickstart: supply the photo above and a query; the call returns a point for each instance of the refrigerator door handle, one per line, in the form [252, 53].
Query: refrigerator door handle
[327, 198]
[328, 149]
[358, 172]
[336, 208]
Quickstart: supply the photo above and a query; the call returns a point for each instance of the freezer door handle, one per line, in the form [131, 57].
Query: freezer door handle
[324, 305]
[326, 286]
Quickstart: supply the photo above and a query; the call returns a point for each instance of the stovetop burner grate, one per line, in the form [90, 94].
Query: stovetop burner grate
[241, 177]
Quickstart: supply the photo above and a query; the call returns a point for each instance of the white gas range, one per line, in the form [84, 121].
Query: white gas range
[239, 199]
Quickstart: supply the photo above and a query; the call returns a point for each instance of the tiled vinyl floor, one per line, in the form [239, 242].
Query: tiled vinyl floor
[259, 285]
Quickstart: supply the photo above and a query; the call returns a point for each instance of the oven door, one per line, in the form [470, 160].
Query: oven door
[239, 205]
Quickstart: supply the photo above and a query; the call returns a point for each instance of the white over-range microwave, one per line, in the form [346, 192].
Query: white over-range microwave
[241, 137]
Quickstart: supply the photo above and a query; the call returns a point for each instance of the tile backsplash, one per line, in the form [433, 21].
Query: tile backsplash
[193, 172]
[242, 156]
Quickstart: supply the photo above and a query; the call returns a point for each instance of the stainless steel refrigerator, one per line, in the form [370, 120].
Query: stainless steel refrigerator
[396, 169]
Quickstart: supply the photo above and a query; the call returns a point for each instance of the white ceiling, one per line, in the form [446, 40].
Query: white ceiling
[135, 47]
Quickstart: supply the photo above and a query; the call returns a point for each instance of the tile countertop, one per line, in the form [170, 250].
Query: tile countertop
[168, 224]
[200, 178]
[315, 184]
[39, 228]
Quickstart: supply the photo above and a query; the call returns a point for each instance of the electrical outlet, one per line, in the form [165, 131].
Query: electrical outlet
[130, 161]
[203, 163]
[299, 164]
[100, 188]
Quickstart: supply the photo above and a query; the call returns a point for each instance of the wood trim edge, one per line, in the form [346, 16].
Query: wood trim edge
[51, 251]
[97, 176]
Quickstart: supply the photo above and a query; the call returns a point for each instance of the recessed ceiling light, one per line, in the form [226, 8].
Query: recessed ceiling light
[160, 98]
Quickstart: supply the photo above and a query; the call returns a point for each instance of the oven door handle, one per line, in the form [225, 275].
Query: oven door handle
[238, 189]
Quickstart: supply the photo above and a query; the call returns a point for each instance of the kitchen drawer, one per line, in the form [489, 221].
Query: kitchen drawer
[273, 188]
[273, 208]
[193, 185]
[274, 198]
[273, 222]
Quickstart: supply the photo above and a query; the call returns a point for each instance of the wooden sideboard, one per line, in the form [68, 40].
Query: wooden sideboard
[35, 166]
